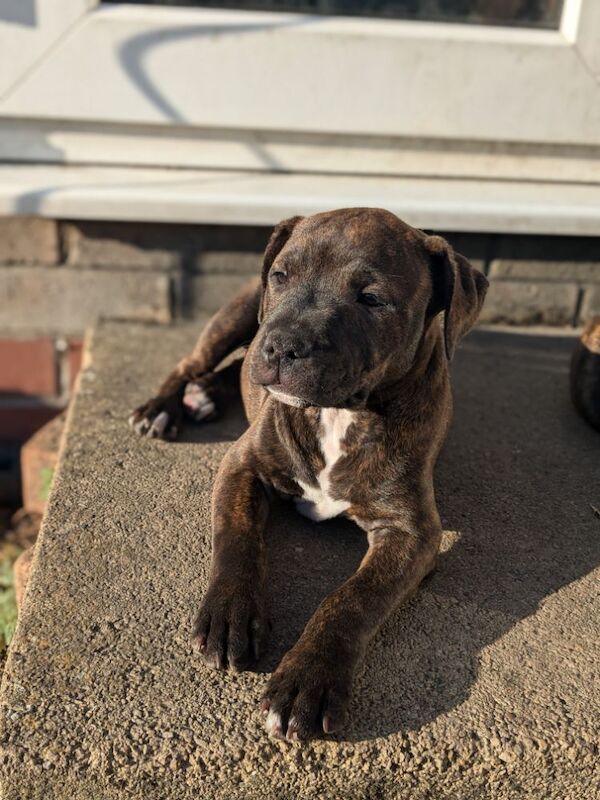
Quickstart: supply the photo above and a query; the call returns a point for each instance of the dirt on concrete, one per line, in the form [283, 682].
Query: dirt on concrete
[485, 686]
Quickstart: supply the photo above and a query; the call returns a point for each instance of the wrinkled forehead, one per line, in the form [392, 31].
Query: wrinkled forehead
[352, 242]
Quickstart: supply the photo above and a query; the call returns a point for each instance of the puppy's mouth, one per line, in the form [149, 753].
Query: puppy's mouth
[288, 399]
[356, 400]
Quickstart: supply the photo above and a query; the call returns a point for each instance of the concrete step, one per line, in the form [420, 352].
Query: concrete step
[485, 685]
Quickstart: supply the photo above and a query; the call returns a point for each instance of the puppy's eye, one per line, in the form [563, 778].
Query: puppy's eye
[279, 276]
[368, 299]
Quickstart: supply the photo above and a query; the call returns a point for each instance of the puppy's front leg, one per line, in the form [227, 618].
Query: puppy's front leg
[311, 687]
[232, 326]
[231, 626]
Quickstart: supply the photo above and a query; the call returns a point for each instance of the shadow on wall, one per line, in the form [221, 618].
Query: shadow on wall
[516, 483]
[134, 54]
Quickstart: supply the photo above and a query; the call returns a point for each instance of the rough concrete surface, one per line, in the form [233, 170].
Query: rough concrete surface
[485, 686]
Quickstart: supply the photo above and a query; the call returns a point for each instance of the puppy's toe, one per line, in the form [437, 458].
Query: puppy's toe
[274, 723]
[158, 418]
[158, 426]
[198, 403]
[230, 628]
[304, 700]
[212, 641]
[277, 704]
[140, 426]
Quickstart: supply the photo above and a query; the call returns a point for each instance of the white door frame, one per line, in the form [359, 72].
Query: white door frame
[286, 91]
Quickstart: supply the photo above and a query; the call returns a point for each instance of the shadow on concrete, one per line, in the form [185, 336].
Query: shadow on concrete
[227, 429]
[516, 485]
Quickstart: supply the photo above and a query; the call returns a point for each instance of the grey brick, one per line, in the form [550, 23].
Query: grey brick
[239, 238]
[230, 262]
[584, 271]
[590, 307]
[67, 301]
[120, 246]
[28, 240]
[521, 303]
[207, 293]
[128, 245]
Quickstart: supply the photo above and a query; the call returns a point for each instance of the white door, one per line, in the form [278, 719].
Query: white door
[291, 94]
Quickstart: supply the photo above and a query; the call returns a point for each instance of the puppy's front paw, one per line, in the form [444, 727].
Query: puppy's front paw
[231, 627]
[159, 418]
[307, 694]
[199, 402]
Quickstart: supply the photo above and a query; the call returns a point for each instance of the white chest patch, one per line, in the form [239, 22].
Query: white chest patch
[316, 503]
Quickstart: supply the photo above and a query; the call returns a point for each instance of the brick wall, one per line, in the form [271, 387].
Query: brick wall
[58, 277]
[536, 280]
[61, 276]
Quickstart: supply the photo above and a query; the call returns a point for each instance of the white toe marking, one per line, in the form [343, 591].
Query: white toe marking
[273, 723]
[317, 503]
[198, 402]
[205, 410]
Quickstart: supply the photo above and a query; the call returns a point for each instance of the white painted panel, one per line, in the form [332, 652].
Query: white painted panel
[262, 199]
[29, 28]
[250, 70]
[180, 146]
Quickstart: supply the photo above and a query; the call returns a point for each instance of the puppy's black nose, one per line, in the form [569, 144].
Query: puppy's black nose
[280, 347]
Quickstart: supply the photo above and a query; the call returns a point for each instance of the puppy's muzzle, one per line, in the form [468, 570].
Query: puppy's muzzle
[300, 361]
[281, 351]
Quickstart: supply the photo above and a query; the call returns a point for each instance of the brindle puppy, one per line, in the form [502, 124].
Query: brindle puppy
[346, 389]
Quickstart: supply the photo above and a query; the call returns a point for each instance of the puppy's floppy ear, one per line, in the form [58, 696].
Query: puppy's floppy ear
[281, 233]
[458, 289]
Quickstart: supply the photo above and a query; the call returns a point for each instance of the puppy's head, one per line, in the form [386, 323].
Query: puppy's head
[346, 297]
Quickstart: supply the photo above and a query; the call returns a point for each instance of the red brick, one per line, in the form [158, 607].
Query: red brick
[39, 456]
[27, 366]
[19, 422]
[74, 353]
